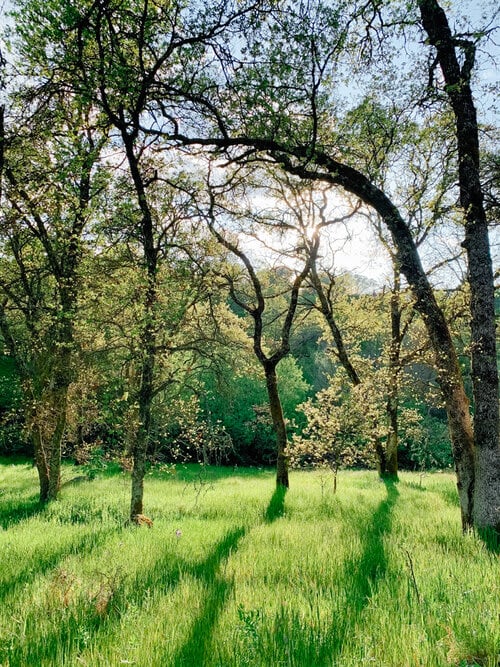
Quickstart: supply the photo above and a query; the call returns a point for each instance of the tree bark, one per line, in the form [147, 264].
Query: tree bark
[278, 424]
[140, 447]
[486, 504]
[391, 467]
[268, 363]
[319, 165]
[46, 394]
[392, 406]
[148, 334]
[41, 464]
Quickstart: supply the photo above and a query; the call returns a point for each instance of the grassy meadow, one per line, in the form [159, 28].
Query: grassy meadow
[235, 574]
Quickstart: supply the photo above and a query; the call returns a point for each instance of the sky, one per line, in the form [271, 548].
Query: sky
[358, 251]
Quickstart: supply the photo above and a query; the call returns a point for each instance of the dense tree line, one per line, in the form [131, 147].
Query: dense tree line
[172, 175]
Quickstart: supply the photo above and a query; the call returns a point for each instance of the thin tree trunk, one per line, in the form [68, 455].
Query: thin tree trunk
[392, 406]
[148, 337]
[62, 376]
[138, 473]
[392, 438]
[41, 464]
[327, 311]
[140, 447]
[278, 424]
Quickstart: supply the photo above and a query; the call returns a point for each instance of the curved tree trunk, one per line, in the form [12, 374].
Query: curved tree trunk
[449, 374]
[319, 165]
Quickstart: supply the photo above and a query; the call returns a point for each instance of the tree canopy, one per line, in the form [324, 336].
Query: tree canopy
[172, 177]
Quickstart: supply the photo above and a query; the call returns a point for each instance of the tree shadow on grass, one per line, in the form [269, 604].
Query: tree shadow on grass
[217, 589]
[75, 625]
[194, 650]
[367, 572]
[491, 539]
[361, 577]
[12, 512]
[40, 563]
[276, 507]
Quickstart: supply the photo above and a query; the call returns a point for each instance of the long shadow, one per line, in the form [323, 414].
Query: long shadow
[166, 573]
[372, 566]
[41, 563]
[276, 507]
[362, 576]
[19, 511]
[73, 629]
[195, 648]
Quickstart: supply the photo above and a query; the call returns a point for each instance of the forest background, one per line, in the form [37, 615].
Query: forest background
[178, 185]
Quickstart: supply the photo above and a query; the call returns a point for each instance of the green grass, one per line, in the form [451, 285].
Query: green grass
[377, 575]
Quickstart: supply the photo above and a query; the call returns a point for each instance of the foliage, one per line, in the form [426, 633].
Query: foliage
[425, 443]
[117, 145]
[341, 430]
[239, 403]
[13, 438]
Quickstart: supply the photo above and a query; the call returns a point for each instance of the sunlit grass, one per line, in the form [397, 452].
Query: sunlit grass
[233, 573]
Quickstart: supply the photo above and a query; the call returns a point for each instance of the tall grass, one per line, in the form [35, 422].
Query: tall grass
[235, 573]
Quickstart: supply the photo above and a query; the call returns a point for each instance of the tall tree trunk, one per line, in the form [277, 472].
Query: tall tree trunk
[140, 446]
[486, 509]
[278, 424]
[392, 406]
[381, 454]
[450, 380]
[148, 335]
